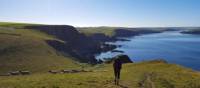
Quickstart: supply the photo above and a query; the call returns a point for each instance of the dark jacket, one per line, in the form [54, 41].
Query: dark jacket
[117, 65]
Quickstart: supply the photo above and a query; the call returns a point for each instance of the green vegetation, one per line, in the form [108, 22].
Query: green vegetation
[138, 75]
[119, 31]
[108, 31]
[24, 49]
[16, 25]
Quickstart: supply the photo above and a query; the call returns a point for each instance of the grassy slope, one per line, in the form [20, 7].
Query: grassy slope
[23, 49]
[111, 31]
[26, 50]
[108, 31]
[15, 25]
[150, 74]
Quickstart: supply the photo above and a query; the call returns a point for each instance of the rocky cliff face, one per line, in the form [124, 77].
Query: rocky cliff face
[192, 31]
[128, 32]
[102, 37]
[75, 43]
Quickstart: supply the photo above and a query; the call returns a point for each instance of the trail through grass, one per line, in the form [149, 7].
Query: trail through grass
[152, 75]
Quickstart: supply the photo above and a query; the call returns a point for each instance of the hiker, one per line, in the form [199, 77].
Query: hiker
[117, 65]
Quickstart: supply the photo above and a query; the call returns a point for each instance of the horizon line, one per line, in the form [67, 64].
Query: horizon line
[96, 26]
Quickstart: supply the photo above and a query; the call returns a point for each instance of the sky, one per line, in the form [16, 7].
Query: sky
[119, 13]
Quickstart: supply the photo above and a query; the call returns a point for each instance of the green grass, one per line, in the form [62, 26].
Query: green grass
[111, 31]
[25, 49]
[161, 75]
[16, 25]
[108, 31]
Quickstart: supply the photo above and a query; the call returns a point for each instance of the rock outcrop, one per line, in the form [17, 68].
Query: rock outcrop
[102, 37]
[128, 32]
[194, 31]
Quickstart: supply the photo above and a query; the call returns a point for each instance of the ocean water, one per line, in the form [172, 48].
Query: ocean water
[173, 46]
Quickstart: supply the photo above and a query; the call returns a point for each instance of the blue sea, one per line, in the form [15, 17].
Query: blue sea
[172, 46]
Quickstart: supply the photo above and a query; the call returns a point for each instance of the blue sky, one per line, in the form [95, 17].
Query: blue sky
[124, 13]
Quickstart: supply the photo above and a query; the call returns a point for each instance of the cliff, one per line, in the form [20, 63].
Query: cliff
[76, 44]
[192, 31]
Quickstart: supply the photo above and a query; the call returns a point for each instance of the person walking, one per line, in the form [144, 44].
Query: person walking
[117, 65]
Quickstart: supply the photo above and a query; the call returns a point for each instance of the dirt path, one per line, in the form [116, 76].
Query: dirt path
[147, 82]
[111, 84]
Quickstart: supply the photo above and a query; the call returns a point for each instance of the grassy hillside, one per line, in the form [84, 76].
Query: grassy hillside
[138, 75]
[23, 49]
[113, 32]
[72, 42]
[27, 49]
[108, 31]
[16, 25]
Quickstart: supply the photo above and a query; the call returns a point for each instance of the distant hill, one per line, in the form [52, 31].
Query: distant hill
[192, 31]
[127, 32]
[112, 33]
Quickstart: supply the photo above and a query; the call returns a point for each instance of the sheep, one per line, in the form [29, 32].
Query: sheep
[72, 71]
[14, 73]
[53, 71]
[24, 72]
[75, 71]
[66, 71]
